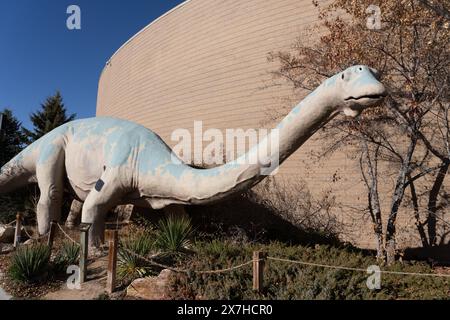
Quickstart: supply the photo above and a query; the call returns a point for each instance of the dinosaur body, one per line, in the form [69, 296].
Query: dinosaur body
[108, 161]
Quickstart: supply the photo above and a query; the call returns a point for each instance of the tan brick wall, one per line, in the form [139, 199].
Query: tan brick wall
[207, 60]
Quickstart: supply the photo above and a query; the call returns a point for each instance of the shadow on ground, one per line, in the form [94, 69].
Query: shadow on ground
[438, 255]
[242, 217]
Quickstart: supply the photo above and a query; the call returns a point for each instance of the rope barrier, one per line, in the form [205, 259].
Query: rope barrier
[66, 235]
[46, 234]
[11, 223]
[185, 270]
[311, 264]
[258, 268]
[360, 269]
[225, 270]
[287, 261]
[35, 238]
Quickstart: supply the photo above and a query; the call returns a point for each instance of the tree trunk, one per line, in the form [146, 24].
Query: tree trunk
[432, 203]
[419, 224]
[375, 213]
[373, 197]
[397, 199]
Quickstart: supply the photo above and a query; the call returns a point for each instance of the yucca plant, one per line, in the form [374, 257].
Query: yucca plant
[174, 234]
[29, 263]
[130, 264]
[68, 255]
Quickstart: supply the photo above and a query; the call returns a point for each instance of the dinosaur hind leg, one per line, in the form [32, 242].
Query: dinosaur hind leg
[50, 176]
[106, 194]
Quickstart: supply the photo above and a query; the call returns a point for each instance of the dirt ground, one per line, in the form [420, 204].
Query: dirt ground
[92, 289]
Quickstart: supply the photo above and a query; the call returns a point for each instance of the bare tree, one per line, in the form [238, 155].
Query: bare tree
[410, 132]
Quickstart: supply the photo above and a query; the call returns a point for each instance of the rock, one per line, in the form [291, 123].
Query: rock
[74, 217]
[6, 248]
[124, 213]
[7, 234]
[120, 216]
[151, 288]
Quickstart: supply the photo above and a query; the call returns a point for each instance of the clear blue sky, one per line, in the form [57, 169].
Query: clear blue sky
[39, 55]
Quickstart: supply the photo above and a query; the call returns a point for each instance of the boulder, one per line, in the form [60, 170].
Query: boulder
[74, 217]
[6, 248]
[151, 288]
[120, 215]
[124, 213]
[7, 233]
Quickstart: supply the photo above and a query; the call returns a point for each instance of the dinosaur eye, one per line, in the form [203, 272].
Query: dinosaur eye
[342, 76]
[360, 69]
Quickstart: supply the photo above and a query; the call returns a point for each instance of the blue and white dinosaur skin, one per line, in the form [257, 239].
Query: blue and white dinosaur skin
[109, 161]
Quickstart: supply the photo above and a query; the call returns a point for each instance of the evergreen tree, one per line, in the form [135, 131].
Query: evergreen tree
[12, 141]
[52, 115]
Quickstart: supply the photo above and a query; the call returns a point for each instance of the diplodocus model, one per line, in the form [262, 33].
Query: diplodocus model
[109, 161]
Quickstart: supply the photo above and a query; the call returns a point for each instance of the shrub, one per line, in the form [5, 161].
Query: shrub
[286, 281]
[130, 264]
[29, 263]
[174, 234]
[293, 201]
[68, 255]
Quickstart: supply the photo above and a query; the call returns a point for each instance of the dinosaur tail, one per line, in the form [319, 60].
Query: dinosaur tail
[14, 175]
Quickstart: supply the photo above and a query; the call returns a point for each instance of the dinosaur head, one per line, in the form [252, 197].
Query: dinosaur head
[358, 88]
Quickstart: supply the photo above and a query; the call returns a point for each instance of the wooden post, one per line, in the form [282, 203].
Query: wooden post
[18, 233]
[113, 241]
[51, 235]
[258, 270]
[84, 243]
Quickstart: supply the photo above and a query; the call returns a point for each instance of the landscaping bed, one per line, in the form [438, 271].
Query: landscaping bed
[177, 245]
[49, 277]
[287, 281]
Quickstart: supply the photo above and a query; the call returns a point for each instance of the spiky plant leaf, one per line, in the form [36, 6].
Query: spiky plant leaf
[174, 234]
[29, 263]
[130, 262]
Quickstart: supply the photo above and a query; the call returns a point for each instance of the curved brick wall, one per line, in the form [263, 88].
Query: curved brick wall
[207, 60]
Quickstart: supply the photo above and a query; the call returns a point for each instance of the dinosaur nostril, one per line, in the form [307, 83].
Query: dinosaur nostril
[342, 76]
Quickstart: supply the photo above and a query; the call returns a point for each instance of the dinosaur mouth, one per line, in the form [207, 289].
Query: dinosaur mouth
[369, 97]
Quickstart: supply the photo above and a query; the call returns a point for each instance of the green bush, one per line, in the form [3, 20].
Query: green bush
[174, 233]
[29, 263]
[286, 281]
[130, 264]
[68, 255]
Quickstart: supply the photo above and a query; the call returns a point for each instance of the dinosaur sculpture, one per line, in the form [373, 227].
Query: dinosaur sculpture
[109, 161]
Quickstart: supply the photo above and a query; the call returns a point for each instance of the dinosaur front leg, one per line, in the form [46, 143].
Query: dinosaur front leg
[106, 194]
[51, 185]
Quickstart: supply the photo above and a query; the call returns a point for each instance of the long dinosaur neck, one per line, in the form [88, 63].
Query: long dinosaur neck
[294, 130]
[304, 121]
